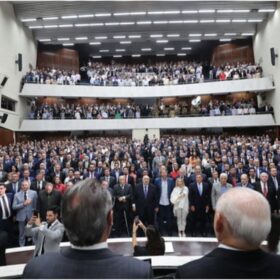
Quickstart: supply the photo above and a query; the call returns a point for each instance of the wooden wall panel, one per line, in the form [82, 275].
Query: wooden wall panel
[7, 136]
[60, 59]
[232, 53]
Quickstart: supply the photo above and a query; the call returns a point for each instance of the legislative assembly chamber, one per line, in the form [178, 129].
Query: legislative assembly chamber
[139, 139]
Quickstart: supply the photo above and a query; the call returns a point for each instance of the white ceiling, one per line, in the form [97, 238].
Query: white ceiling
[174, 23]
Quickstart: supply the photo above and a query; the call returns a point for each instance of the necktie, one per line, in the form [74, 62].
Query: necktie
[275, 183]
[145, 191]
[25, 196]
[7, 212]
[15, 188]
[200, 189]
[265, 190]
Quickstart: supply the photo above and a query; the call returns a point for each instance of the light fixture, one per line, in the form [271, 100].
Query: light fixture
[242, 11]
[207, 11]
[194, 41]
[194, 35]
[207, 21]
[81, 38]
[255, 20]
[125, 42]
[65, 25]
[35, 27]
[230, 34]
[68, 44]
[160, 22]
[146, 49]
[28, 19]
[100, 37]
[50, 26]
[172, 12]
[173, 35]
[44, 40]
[138, 13]
[189, 12]
[175, 21]
[120, 50]
[96, 56]
[169, 49]
[95, 43]
[191, 21]
[103, 15]
[82, 24]
[86, 16]
[112, 23]
[69, 17]
[162, 41]
[119, 37]
[225, 40]
[104, 51]
[134, 36]
[127, 23]
[144, 22]
[224, 11]
[266, 10]
[156, 36]
[247, 34]
[117, 55]
[181, 54]
[156, 13]
[136, 55]
[186, 48]
[63, 39]
[160, 54]
[239, 20]
[210, 34]
[50, 18]
[97, 24]
[222, 20]
[121, 14]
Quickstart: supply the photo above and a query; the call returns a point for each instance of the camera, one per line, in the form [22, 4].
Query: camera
[36, 213]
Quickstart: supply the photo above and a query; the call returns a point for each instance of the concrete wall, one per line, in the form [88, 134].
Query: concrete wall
[15, 38]
[268, 36]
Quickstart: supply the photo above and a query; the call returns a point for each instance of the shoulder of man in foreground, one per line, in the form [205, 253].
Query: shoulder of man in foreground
[55, 264]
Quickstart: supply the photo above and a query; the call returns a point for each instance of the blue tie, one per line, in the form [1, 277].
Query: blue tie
[200, 189]
[145, 191]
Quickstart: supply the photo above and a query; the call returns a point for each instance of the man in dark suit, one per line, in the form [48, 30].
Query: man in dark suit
[244, 182]
[14, 186]
[164, 187]
[199, 200]
[56, 172]
[128, 179]
[242, 222]
[274, 182]
[92, 172]
[38, 184]
[145, 201]
[107, 177]
[123, 200]
[5, 210]
[88, 217]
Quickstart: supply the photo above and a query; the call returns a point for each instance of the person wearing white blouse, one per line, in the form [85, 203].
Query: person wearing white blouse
[180, 199]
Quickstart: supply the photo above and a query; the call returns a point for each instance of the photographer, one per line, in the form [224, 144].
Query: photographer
[155, 243]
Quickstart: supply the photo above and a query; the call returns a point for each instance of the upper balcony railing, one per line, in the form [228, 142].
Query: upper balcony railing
[206, 88]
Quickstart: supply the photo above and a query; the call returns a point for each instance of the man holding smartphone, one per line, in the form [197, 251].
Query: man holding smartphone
[46, 235]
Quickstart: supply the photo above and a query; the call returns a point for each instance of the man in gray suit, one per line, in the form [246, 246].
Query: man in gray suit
[46, 235]
[24, 203]
[219, 188]
[88, 217]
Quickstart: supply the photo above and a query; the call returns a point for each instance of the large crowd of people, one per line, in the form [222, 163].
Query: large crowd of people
[131, 110]
[150, 74]
[148, 178]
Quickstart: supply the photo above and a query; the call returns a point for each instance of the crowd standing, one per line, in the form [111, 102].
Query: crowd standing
[163, 181]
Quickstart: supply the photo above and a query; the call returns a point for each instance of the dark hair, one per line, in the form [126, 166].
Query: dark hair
[54, 209]
[273, 236]
[85, 209]
[155, 243]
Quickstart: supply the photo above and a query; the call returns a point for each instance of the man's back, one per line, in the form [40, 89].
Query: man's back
[95, 264]
[225, 263]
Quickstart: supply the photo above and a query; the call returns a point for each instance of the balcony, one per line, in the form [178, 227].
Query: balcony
[206, 88]
[151, 123]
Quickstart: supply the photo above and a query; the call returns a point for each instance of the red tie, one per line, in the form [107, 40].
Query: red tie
[265, 190]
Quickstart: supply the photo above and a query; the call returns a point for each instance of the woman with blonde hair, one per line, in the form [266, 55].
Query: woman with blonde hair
[180, 199]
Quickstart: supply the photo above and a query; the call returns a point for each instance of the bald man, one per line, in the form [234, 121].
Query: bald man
[241, 223]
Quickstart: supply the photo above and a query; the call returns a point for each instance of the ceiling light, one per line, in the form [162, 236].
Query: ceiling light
[169, 49]
[207, 21]
[146, 49]
[50, 26]
[44, 40]
[186, 48]
[50, 18]
[225, 40]
[82, 24]
[65, 25]
[86, 16]
[134, 36]
[121, 14]
[119, 37]
[266, 10]
[160, 54]
[241, 11]
[127, 23]
[189, 12]
[103, 15]
[35, 27]
[69, 17]
[210, 34]
[195, 35]
[230, 34]
[173, 35]
[239, 20]
[191, 21]
[125, 42]
[81, 38]
[117, 55]
[28, 19]
[172, 12]
[175, 21]
[160, 22]
[255, 20]
[156, 35]
[224, 11]
[63, 39]
[248, 34]
[156, 13]
[68, 44]
[96, 56]
[136, 55]
[138, 13]
[206, 11]
[181, 54]
[104, 51]
[101, 37]
[97, 24]
[95, 43]
[112, 23]
[120, 50]
[222, 20]
[194, 41]
[162, 41]
[144, 22]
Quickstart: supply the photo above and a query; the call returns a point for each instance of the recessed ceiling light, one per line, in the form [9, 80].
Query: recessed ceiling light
[225, 40]
[103, 51]
[186, 48]
[175, 21]
[120, 50]
[100, 37]
[96, 56]
[155, 13]
[207, 21]
[194, 41]
[68, 44]
[138, 13]
[173, 35]
[119, 37]
[189, 12]
[242, 11]
[230, 34]
[103, 15]
[81, 38]
[162, 41]
[35, 27]
[191, 21]
[255, 20]
[127, 23]
[172, 12]
[224, 11]
[86, 16]
[222, 20]
[195, 35]
[144, 22]
[82, 24]
[210, 34]
[160, 54]
[69, 17]
[207, 11]
[63, 39]
[50, 26]
[65, 25]
[181, 54]
[95, 43]
[44, 40]
[160, 22]
[134, 36]
[156, 35]
[169, 49]
[50, 18]
[117, 55]
[121, 14]
[146, 49]
[239, 20]
[28, 19]
[97, 24]
[247, 34]
[112, 23]
[136, 55]
[266, 10]
[125, 42]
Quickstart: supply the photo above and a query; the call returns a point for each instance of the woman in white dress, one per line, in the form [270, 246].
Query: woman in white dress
[180, 199]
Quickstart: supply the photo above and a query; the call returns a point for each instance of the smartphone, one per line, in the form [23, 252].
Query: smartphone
[136, 220]
[35, 213]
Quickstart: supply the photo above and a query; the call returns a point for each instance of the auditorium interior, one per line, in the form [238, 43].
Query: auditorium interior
[135, 89]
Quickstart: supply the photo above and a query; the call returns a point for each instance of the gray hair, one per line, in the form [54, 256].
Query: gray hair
[223, 175]
[85, 208]
[247, 213]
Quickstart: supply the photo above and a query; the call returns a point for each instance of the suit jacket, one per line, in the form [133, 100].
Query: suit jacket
[10, 188]
[170, 184]
[250, 186]
[127, 192]
[49, 237]
[277, 191]
[223, 263]
[7, 223]
[199, 201]
[271, 195]
[95, 264]
[24, 212]
[216, 193]
[34, 186]
[112, 181]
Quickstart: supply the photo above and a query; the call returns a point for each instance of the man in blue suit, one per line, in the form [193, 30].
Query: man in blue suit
[5, 210]
[164, 186]
[24, 203]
